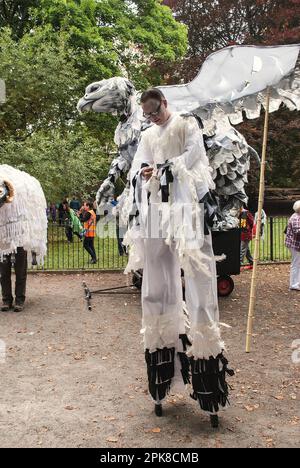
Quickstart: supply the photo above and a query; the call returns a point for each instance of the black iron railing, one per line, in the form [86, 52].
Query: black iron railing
[66, 255]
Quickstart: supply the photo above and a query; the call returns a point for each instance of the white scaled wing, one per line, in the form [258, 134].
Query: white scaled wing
[235, 79]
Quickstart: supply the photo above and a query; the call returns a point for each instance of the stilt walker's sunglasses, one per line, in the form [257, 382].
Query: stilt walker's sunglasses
[153, 114]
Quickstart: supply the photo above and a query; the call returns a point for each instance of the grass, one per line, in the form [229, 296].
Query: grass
[72, 256]
[272, 248]
[63, 255]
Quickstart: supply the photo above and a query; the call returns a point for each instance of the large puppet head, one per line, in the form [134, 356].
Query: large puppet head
[113, 96]
[6, 192]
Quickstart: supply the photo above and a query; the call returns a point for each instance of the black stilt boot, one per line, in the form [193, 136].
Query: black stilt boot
[214, 421]
[210, 388]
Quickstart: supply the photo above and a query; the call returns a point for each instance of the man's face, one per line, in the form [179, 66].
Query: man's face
[156, 111]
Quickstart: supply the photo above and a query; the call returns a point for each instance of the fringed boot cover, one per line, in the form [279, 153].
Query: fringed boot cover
[209, 382]
[161, 369]
[184, 360]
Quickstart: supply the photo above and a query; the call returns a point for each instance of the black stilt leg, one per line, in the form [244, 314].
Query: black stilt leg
[214, 421]
[158, 410]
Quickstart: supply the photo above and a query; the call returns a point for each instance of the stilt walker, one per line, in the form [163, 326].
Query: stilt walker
[173, 185]
[230, 84]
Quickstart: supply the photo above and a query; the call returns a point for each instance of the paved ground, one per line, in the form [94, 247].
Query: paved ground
[74, 378]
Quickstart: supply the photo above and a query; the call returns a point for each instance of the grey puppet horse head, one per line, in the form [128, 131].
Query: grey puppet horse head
[6, 192]
[112, 96]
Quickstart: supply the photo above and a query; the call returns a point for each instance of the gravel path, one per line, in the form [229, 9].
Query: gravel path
[76, 378]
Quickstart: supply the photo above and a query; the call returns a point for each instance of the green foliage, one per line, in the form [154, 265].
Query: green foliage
[107, 36]
[16, 15]
[65, 163]
[49, 51]
[41, 81]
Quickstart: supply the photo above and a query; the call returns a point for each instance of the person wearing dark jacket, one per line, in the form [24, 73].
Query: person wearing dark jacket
[74, 204]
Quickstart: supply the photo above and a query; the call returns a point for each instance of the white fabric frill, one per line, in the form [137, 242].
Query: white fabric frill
[159, 331]
[135, 245]
[23, 222]
[206, 341]
[189, 236]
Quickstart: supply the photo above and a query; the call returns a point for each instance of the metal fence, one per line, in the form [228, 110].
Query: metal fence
[272, 248]
[64, 255]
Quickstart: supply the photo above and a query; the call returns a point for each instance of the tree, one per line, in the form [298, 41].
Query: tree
[41, 82]
[285, 25]
[213, 24]
[106, 38]
[15, 14]
[65, 163]
[51, 51]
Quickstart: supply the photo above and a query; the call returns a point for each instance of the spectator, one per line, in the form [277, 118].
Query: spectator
[61, 213]
[293, 243]
[88, 217]
[246, 223]
[263, 224]
[53, 212]
[75, 204]
[72, 223]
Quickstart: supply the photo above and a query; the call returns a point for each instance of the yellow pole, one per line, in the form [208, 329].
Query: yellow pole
[258, 227]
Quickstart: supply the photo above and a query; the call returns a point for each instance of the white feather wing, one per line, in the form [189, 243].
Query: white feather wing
[236, 78]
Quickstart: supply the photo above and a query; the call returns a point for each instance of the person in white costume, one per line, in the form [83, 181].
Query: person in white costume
[23, 232]
[172, 184]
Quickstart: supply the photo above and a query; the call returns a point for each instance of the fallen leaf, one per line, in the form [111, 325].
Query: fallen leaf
[112, 439]
[78, 357]
[251, 408]
[109, 418]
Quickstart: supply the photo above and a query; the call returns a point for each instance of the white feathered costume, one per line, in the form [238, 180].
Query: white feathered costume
[231, 82]
[169, 235]
[23, 219]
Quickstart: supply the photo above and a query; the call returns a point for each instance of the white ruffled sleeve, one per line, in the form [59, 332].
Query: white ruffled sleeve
[194, 149]
[143, 155]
